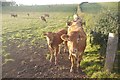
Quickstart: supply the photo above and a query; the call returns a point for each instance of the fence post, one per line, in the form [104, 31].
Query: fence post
[111, 51]
[0, 40]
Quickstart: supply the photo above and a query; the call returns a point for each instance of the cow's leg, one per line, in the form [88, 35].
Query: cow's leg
[59, 49]
[72, 58]
[69, 56]
[56, 54]
[65, 46]
[51, 54]
[79, 58]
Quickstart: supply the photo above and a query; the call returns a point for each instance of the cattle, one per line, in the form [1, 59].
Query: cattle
[43, 18]
[78, 19]
[14, 15]
[28, 14]
[46, 15]
[54, 40]
[76, 42]
[74, 26]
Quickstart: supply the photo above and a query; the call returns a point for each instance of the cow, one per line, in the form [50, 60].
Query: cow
[46, 15]
[43, 18]
[14, 15]
[78, 19]
[28, 14]
[54, 40]
[76, 42]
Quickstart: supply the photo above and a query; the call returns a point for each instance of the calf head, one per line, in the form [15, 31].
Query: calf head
[72, 41]
[49, 36]
[76, 17]
[77, 22]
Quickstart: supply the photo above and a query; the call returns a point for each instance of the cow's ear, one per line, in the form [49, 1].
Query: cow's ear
[65, 37]
[44, 33]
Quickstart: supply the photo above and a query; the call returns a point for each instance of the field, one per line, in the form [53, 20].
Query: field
[25, 51]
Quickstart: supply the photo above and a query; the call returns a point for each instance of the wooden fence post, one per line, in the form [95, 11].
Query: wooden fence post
[0, 40]
[111, 51]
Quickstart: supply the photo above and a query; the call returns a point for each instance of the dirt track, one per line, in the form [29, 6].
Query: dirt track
[30, 62]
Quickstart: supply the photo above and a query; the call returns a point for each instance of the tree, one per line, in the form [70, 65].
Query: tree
[107, 22]
[5, 3]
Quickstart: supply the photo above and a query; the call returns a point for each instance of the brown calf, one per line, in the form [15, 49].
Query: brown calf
[54, 40]
[76, 42]
[77, 22]
[43, 18]
[28, 14]
[46, 15]
[14, 15]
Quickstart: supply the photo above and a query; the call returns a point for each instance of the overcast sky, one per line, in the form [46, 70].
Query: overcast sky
[44, 2]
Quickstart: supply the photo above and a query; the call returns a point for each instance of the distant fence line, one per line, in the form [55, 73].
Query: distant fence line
[41, 8]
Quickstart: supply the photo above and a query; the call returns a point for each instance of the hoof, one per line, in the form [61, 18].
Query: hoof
[79, 70]
[69, 57]
[50, 61]
[56, 63]
[71, 70]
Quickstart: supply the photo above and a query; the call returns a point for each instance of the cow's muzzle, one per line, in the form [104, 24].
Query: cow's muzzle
[74, 51]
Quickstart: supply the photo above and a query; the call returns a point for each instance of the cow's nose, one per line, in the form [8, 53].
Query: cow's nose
[74, 51]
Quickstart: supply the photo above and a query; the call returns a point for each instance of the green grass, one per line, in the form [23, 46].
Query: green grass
[25, 29]
[11, 24]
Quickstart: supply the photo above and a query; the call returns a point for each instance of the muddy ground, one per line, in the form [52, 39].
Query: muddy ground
[32, 62]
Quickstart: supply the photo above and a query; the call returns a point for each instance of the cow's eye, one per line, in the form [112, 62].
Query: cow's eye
[69, 23]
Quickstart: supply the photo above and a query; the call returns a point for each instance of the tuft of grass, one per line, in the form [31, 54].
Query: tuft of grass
[91, 63]
[48, 56]
[104, 74]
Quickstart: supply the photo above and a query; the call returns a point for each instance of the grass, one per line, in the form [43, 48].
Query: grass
[25, 29]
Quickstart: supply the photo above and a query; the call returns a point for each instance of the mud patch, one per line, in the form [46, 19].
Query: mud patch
[30, 62]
